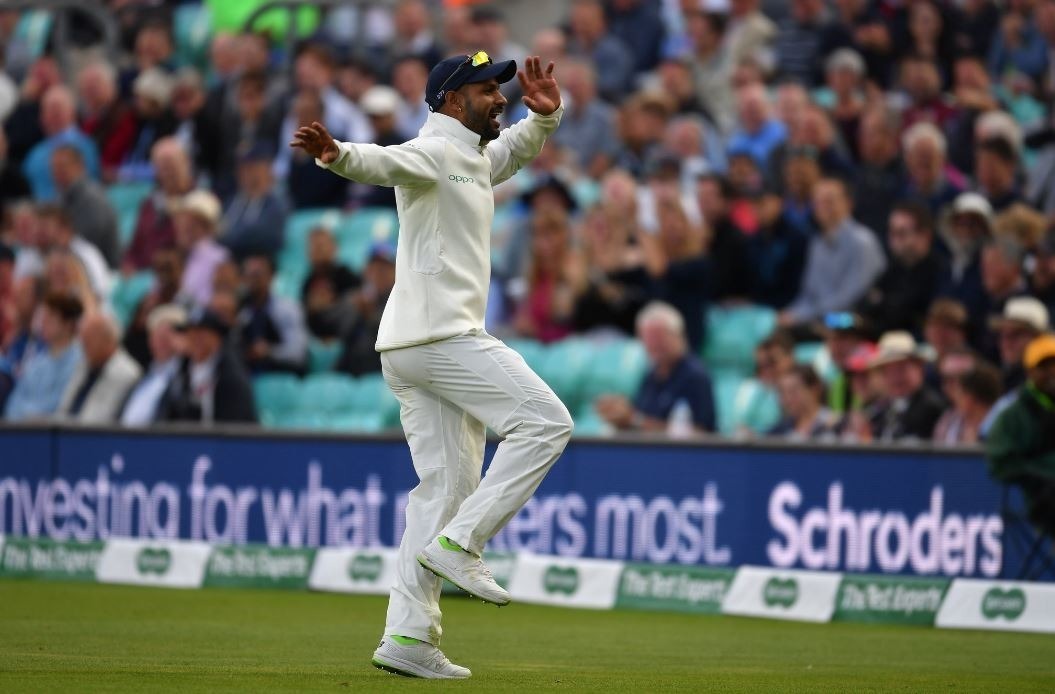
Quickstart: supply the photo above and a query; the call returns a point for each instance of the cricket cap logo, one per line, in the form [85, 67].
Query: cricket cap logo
[365, 567]
[1009, 604]
[561, 579]
[780, 592]
[153, 560]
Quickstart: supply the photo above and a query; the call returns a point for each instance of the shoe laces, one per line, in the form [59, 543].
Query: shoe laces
[437, 660]
[480, 570]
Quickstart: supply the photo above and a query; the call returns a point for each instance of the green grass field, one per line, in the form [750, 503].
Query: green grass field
[81, 638]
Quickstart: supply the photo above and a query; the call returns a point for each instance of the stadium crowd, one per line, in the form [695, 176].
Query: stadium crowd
[872, 181]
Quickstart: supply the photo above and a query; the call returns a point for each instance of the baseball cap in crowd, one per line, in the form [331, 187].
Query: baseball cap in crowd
[382, 250]
[862, 357]
[1024, 311]
[459, 70]
[256, 151]
[167, 314]
[380, 100]
[154, 84]
[1039, 350]
[973, 203]
[899, 345]
[208, 320]
[201, 203]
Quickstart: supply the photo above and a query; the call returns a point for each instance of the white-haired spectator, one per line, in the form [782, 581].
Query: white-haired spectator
[105, 117]
[844, 73]
[58, 121]
[758, 133]
[930, 178]
[104, 376]
[676, 379]
[152, 92]
[175, 178]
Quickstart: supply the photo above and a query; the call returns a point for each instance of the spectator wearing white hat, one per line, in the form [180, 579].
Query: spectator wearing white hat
[1023, 319]
[152, 90]
[967, 227]
[197, 218]
[912, 408]
[381, 105]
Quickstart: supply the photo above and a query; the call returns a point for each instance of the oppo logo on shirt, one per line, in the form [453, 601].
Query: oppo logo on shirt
[461, 179]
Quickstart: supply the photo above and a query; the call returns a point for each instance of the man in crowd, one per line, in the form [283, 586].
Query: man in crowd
[38, 392]
[256, 216]
[271, 328]
[362, 325]
[154, 229]
[103, 378]
[212, 385]
[326, 288]
[676, 378]
[900, 297]
[85, 203]
[58, 120]
[147, 400]
[912, 408]
[196, 219]
[844, 259]
[1021, 445]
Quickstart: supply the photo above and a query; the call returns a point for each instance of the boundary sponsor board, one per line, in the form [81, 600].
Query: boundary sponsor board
[889, 599]
[998, 605]
[689, 589]
[48, 559]
[368, 571]
[545, 580]
[164, 563]
[807, 596]
[256, 566]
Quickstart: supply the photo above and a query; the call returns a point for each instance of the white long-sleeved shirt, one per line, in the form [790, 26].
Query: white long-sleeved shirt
[444, 198]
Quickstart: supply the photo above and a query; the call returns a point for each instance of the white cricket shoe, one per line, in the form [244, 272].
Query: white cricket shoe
[419, 659]
[465, 570]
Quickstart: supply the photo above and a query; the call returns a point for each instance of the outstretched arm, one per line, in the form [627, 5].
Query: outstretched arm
[397, 165]
[519, 144]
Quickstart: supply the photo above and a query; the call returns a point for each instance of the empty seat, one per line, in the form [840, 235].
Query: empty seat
[322, 356]
[372, 398]
[328, 394]
[277, 398]
[755, 407]
[615, 368]
[733, 333]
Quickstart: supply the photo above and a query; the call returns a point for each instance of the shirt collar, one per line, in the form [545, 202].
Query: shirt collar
[452, 129]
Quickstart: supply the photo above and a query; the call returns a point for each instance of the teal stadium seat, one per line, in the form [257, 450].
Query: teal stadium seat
[754, 407]
[726, 384]
[564, 366]
[327, 397]
[323, 355]
[614, 368]
[126, 198]
[192, 30]
[292, 265]
[589, 423]
[359, 230]
[128, 292]
[375, 403]
[733, 333]
[533, 351]
[277, 399]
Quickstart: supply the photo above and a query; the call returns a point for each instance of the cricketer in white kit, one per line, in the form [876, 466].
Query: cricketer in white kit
[452, 379]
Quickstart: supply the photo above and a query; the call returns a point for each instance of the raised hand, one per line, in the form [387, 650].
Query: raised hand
[541, 94]
[316, 140]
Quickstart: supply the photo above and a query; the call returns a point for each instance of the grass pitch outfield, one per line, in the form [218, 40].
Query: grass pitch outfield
[82, 638]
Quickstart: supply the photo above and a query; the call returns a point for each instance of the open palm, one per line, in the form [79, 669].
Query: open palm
[541, 94]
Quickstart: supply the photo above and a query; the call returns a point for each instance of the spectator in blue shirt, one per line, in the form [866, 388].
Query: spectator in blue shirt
[676, 379]
[38, 392]
[757, 132]
[58, 120]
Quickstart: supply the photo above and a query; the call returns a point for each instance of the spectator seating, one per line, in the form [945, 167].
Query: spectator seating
[128, 292]
[323, 355]
[732, 335]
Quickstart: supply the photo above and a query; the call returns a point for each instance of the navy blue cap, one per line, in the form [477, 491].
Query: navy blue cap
[443, 77]
[207, 319]
[256, 151]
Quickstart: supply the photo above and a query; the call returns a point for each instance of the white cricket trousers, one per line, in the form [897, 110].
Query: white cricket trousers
[448, 392]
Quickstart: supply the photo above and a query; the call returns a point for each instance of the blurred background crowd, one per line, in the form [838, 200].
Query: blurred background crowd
[825, 221]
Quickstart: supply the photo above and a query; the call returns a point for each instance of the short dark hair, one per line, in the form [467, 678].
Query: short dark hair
[920, 214]
[53, 211]
[779, 339]
[725, 188]
[268, 259]
[320, 52]
[256, 81]
[808, 375]
[66, 306]
[1000, 147]
[983, 383]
